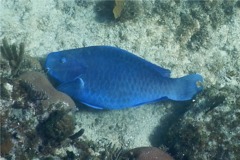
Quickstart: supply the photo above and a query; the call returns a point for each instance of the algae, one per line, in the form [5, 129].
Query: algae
[117, 10]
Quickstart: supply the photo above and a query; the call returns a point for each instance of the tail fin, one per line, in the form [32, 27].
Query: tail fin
[186, 87]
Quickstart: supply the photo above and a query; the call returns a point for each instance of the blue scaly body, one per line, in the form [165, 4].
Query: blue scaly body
[107, 77]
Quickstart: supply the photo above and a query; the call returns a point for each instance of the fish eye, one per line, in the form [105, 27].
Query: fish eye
[63, 60]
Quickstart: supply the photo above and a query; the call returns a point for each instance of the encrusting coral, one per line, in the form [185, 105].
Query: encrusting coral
[38, 87]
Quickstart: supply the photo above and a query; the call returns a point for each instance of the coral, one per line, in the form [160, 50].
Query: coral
[70, 155]
[26, 99]
[238, 4]
[120, 9]
[39, 88]
[14, 61]
[32, 140]
[33, 94]
[83, 3]
[210, 125]
[57, 127]
[148, 153]
[192, 20]
[112, 152]
[13, 54]
[131, 11]
[28, 103]
[30, 64]
[5, 142]
[5, 89]
[168, 12]
[5, 68]
[98, 150]
[188, 27]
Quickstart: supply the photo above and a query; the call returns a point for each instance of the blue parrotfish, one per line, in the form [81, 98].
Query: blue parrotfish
[106, 77]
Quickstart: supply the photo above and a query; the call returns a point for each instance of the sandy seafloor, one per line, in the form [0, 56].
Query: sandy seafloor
[51, 25]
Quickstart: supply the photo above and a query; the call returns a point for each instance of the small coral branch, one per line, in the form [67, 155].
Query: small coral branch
[13, 54]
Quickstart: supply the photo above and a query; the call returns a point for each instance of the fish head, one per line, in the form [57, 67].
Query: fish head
[63, 66]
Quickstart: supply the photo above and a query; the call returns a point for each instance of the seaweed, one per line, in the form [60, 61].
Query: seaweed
[13, 54]
[117, 10]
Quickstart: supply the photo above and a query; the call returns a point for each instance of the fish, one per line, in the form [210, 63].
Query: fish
[107, 77]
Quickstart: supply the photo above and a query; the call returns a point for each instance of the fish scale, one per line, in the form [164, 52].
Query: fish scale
[106, 77]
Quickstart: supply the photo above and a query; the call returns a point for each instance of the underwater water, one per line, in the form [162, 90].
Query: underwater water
[185, 37]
